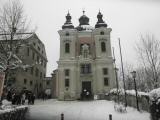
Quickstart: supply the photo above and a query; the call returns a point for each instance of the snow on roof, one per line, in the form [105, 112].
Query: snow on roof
[87, 27]
[154, 94]
[18, 36]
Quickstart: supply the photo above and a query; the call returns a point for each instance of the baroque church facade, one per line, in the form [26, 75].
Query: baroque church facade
[85, 66]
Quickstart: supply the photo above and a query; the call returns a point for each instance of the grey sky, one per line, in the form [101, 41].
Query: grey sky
[127, 18]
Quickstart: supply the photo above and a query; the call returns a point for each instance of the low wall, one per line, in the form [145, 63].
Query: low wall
[131, 100]
[17, 113]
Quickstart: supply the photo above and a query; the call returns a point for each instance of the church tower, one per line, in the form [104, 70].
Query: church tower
[85, 66]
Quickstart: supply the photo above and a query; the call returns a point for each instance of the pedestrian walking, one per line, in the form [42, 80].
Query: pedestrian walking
[29, 98]
[23, 98]
[32, 98]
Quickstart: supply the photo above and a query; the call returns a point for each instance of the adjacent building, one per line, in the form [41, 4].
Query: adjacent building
[85, 66]
[33, 56]
[49, 85]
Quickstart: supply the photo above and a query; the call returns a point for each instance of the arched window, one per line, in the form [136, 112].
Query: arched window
[67, 33]
[103, 47]
[67, 48]
[102, 33]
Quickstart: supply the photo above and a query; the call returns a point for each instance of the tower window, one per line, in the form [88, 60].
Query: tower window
[67, 48]
[103, 47]
[106, 81]
[67, 34]
[105, 71]
[66, 82]
[102, 33]
[67, 72]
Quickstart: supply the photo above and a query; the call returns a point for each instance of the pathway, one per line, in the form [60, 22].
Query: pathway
[81, 110]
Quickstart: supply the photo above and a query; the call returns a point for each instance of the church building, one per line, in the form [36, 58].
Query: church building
[85, 66]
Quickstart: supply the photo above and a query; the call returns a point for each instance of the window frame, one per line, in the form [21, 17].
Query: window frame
[67, 47]
[67, 72]
[67, 82]
[106, 81]
[103, 46]
[105, 71]
[25, 81]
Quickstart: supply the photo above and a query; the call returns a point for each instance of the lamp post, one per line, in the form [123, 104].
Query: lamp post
[134, 76]
[117, 85]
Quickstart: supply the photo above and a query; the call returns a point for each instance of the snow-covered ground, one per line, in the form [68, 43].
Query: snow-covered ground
[81, 110]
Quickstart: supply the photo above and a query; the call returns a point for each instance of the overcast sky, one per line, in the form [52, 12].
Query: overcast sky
[127, 18]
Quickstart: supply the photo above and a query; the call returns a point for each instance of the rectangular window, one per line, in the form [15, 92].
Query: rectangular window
[31, 83]
[37, 72]
[32, 69]
[33, 55]
[67, 48]
[25, 81]
[48, 82]
[105, 71]
[85, 68]
[67, 72]
[37, 59]
[28, 51]
[41, 62]
[41, 75]
[103, 46]
[66, 82]
[106, 81]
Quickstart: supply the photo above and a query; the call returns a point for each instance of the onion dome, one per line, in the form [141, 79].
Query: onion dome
[100, 22]
[83, 20]
[84, 23]
[68, 24]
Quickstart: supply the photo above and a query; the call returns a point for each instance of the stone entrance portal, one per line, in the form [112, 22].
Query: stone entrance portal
[86, 93]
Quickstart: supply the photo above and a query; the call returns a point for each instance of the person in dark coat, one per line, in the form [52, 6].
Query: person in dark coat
[14, 99]
[32, 98]
[18, 99]
[29, 98]
[9, 96]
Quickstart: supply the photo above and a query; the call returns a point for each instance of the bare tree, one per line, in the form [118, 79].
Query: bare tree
[13, 32]
[148, 50]
[127, 74]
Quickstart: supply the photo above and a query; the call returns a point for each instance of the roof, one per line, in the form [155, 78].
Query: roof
[28, 37]
[17, 36]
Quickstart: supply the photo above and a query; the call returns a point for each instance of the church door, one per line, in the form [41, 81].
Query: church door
[86, 90]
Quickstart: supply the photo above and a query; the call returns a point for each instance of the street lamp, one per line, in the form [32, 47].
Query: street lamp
[134, 76]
